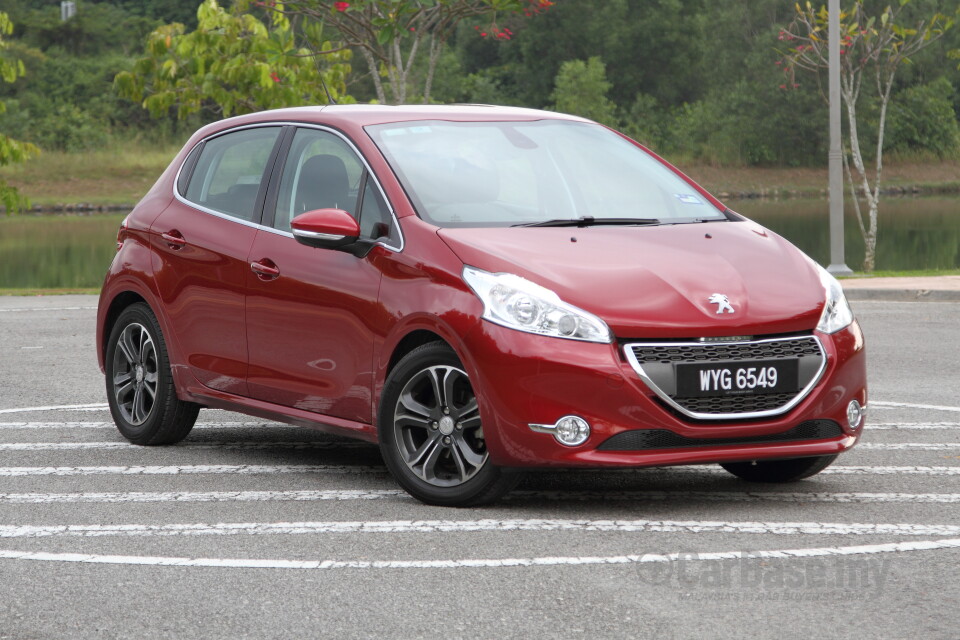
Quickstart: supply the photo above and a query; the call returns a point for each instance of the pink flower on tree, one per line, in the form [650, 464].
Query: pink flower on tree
[341, 6]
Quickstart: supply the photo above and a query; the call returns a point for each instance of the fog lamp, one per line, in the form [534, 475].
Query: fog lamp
[854, 414]
[568, 430]
[572, 431]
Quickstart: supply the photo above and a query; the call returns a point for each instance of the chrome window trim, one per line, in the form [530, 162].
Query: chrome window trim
[696, 415]
[256, 225]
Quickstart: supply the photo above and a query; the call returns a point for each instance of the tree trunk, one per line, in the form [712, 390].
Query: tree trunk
[436, 46]
[870, 239]
[375, 75]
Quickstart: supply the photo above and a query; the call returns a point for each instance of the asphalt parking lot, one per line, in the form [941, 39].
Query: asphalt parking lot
[259, 530]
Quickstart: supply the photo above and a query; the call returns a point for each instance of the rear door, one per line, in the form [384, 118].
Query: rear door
[202, 241]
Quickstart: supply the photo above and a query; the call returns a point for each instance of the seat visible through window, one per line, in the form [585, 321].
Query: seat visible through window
[323, 184]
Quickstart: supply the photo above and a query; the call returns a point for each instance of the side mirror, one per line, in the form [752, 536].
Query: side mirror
[330, 229]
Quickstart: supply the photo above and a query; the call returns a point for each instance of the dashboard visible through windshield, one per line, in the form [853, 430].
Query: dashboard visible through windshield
[498, 174]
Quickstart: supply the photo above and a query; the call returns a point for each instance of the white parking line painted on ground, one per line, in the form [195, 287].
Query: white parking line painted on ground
[910, 446]
[397, 494]
[838, 469]
[113, 427]
[207, 496]
[471, 526]
[481, 563]
[59, 407]
[359, 469]
[2, 310]
[231, 445]
[173, 470]
[910, 405]
[881, 426]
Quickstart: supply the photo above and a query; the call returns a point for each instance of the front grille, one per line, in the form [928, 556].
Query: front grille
[656, 363]
[706, 352]
[644, 439]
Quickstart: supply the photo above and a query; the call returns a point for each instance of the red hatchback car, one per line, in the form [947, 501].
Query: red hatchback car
[479, 290]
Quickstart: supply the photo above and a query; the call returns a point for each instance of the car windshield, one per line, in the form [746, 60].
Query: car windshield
[546, 172]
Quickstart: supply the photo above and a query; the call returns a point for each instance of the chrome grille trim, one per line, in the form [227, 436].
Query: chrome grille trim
[693, 351]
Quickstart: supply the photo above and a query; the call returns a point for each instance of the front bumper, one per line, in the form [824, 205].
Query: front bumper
[523, 379]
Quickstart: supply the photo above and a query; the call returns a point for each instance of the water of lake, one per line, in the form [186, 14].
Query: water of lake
[915, 233]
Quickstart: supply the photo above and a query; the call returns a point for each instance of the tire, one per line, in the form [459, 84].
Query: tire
[430, 433]
[140, 390]
[789, 470]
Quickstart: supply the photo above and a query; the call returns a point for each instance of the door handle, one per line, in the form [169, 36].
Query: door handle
[265, 269]
[174, 239]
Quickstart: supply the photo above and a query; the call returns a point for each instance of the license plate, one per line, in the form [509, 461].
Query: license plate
[737, 378]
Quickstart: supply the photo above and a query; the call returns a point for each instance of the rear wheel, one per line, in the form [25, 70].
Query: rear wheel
[140, 390]
[430, 432]
[789, 470]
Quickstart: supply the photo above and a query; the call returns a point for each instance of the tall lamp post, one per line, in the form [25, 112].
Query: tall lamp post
[838, 264]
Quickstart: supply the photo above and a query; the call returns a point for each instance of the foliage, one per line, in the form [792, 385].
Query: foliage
[653, 48]
[94, 30]
[922, 119]
[11, 151]
[67, 102]
[390, 34]
[581, 89]
[233, 63]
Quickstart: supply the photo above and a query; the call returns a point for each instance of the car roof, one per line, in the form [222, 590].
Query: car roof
[361, 115]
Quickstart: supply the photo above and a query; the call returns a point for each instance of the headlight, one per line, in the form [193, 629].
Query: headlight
[515, 302]
[837, 314]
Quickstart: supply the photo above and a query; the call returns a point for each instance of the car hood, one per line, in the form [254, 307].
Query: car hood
[658, 281]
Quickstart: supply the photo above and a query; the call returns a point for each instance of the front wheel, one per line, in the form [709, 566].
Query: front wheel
[431, 437]
[140, 390]
[789, 470]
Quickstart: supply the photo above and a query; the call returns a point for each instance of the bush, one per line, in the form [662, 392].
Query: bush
[921, 118]
[581, 88]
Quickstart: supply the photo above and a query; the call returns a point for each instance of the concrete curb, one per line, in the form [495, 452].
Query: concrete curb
[903, 295]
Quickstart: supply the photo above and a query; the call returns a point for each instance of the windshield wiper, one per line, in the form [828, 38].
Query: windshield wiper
[589, 221]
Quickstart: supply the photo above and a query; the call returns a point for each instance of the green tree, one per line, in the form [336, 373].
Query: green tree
[872, 48]
[391, 34]
[232, 63]
[581, 88]
[11, 151]
[653, 47]
[921, 118]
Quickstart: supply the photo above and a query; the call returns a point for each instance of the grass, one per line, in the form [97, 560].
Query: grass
[919, 273]
[49, 292]
[907, 173]
[122, 174]
[119, 175]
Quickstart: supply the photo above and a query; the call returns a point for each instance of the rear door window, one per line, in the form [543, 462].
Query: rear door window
[230, 172]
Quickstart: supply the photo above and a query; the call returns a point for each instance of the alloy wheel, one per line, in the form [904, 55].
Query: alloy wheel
[437, 427]
[135, 373]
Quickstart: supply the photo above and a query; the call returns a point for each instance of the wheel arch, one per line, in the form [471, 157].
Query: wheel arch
[120, 302]
[411, 341]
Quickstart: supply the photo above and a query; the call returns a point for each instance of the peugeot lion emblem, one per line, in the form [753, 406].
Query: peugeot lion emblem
[723, 304]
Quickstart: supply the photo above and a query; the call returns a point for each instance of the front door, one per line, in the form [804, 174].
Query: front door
[312, 314]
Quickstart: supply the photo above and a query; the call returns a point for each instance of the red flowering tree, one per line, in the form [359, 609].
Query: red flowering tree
[872, 48]
[391, 34]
